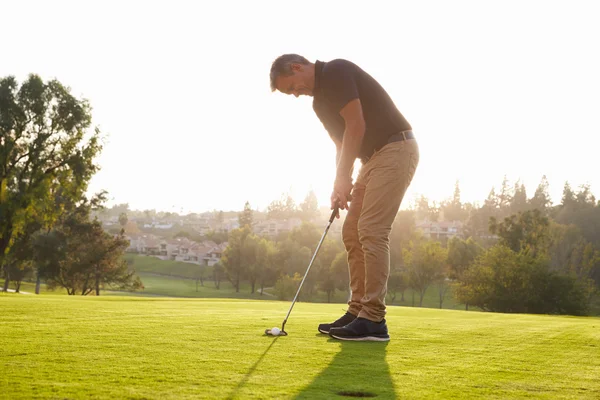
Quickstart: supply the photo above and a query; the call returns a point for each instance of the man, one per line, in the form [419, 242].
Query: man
[364, 123]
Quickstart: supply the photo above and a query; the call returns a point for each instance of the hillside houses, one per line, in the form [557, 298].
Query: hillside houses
[440, 230]
[180, 249]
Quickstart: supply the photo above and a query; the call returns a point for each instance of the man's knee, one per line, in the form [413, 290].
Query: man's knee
[350, 233]
[369, 231]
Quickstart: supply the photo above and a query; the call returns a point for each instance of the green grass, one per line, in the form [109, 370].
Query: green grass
[67, 347]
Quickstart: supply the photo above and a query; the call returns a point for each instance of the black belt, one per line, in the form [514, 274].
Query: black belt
[400, 136]
[396, 137]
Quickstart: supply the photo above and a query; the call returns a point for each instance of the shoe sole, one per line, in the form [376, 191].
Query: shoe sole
[323, 331]
[362, 338]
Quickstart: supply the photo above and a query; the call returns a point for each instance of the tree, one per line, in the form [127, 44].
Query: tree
[250, 266]
[326, 274]
[528, 231]
[453, 210]
[502, 280]
[246, 217]
[42, 152]
[340, 272]
[461, 254]
[309, 208]
[398, 282]
[284, 208]
[123, 219]
[541, 198]
[265, 255]
[217, 274]
[425, 211]
[425, 261]
[504, 198]
[403, 229]
[306, 235]
[81, 257]
[232, 258]
[518, 202]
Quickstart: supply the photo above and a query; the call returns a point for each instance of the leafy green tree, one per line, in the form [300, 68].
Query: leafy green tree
[81, 257]
[403, 229]
[284, 208]
[454, 209]
[251, 267]
[340, 272]
[528, 231]
[218, 271]
[425, 261]
[246, 217]
[265, 259]
[309, 208]
[306, 235]
[43, 151]
[232, 258]
[541, 198]
[518, 202]
[398, 282]
[502, 280]
[123, 219]
[326, 274]
[461, 254]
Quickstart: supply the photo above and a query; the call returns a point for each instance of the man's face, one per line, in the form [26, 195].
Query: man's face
[296, 83]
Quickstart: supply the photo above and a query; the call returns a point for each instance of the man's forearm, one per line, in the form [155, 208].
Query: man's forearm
[353, 137]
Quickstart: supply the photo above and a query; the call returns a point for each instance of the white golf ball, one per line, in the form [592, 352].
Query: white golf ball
[275, 331]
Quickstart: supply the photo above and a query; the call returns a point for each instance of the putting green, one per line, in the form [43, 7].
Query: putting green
[162, 348]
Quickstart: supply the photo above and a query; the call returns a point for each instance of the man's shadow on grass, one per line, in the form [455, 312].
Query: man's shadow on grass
[359, 370]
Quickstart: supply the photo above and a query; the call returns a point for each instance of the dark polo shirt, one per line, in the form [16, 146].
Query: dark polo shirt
[339, 81]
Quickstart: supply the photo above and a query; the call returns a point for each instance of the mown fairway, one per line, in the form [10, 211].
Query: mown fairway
[65, 347]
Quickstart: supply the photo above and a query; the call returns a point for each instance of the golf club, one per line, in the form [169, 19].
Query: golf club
[282, 331]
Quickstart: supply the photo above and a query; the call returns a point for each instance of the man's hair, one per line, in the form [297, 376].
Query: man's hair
[282, 66]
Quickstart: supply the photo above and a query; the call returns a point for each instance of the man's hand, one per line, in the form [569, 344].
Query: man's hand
[341, 195]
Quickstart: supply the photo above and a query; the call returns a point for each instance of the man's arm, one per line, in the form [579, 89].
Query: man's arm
[353, 137]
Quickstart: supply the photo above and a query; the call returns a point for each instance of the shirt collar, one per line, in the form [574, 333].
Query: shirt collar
[318, 71]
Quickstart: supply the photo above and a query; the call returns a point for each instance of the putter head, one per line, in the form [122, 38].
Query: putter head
[269, 333]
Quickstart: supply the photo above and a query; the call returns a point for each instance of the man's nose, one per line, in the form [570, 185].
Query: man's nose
[296, 94]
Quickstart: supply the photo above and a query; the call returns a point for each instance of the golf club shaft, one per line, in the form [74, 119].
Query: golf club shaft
[333, 215]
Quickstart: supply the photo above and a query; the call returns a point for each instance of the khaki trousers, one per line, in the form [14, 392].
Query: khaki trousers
[376, 197]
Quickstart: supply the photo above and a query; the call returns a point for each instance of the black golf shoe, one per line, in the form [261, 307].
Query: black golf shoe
[342, 321]
[362, 329]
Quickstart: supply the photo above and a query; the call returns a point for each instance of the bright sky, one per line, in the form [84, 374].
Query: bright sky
[181, 89]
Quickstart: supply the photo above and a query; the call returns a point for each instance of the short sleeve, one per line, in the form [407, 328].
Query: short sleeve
[341, 85]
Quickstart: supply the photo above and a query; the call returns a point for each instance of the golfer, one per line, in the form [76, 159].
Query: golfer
[363, 122]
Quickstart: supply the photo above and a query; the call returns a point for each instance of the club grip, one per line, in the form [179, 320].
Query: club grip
[333, 214]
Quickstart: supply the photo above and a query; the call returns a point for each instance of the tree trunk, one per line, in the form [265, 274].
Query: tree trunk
[237, 283]
[413, 297]
[402, 298]
[467, 306]
[6, 279]
[37, 284]
[85, 285]
[262, 287]
[97, 285]
[329, 296]
[421, 299]
[253, 282]
[18, 286]
[393, 297]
